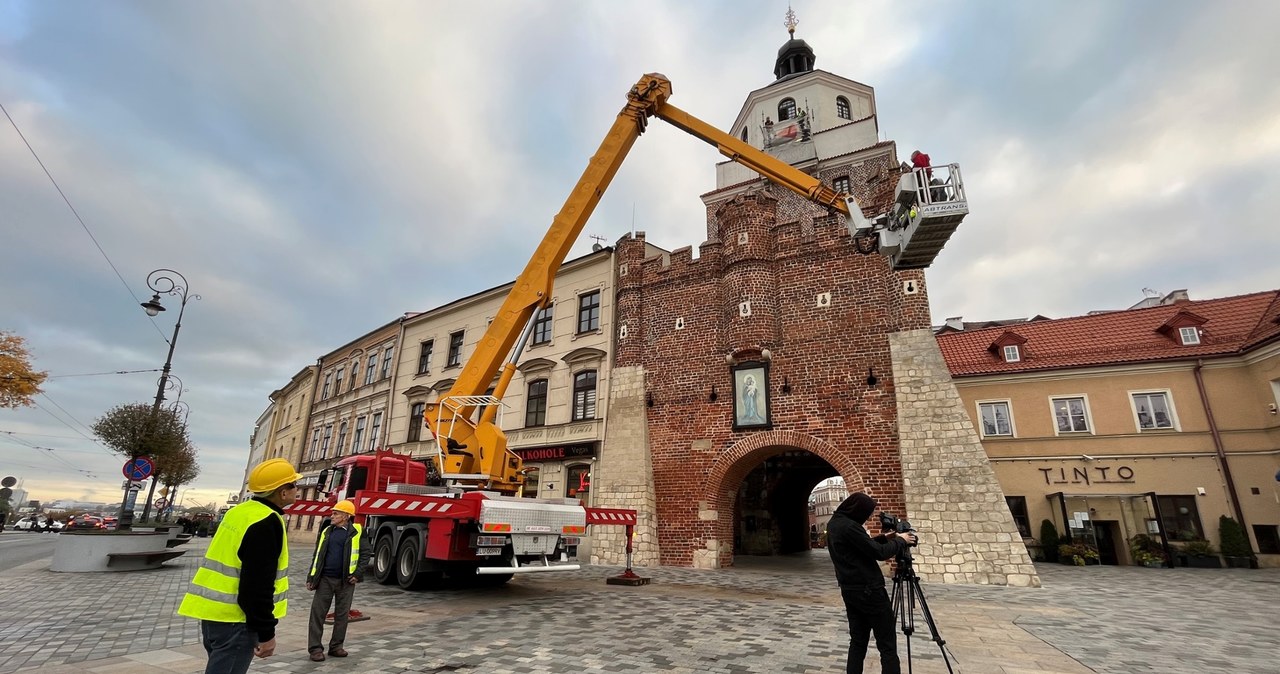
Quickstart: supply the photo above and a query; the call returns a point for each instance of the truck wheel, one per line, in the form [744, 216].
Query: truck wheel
[407, 573]
[384, 560]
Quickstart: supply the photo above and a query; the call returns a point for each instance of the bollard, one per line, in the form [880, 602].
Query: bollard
[627, 577]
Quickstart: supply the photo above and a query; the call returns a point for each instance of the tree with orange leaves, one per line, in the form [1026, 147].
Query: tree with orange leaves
[18, 382]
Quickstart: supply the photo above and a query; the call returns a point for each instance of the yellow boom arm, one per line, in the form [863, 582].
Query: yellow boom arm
[475, 451]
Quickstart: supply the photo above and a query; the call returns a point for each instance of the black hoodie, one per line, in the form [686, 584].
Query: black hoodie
[853, 551]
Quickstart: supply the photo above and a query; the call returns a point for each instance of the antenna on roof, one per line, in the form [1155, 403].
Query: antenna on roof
[598, 245]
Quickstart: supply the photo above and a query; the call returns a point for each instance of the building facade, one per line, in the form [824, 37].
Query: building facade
[1154, 421]
[292, 403]
[350, 408]
[553, 413]
[259, 443]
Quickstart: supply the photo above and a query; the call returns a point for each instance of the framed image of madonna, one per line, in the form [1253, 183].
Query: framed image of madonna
[751, 396]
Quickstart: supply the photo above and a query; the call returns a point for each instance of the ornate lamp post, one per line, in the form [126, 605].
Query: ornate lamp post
[160, 281]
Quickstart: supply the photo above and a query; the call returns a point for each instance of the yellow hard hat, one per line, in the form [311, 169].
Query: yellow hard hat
[345, 506]
[272, 474]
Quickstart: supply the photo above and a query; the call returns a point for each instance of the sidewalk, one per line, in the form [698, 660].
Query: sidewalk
[768, 615]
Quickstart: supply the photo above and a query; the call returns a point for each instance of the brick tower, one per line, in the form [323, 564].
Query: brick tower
[784, 354]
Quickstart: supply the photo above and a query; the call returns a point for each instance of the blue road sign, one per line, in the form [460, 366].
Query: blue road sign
[139, 468]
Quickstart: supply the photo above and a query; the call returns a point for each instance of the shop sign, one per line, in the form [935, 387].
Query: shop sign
[1088, 475]
[557, 453]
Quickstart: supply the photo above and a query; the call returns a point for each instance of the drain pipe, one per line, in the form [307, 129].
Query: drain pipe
[1217, 445]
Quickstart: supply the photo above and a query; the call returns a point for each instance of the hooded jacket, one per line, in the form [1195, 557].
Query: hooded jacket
[853, 551]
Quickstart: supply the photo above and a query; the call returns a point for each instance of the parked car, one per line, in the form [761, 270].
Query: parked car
[27, 524]
[81, 522]
[110, 522]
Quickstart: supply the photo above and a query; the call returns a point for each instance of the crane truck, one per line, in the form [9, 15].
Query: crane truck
[455, 514]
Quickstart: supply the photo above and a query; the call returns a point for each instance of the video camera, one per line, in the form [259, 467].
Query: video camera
[890, 522]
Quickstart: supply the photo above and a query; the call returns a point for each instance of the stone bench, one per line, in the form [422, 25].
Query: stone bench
[136, 561]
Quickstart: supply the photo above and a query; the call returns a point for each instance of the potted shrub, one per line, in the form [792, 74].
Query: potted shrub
[1078, 554]
[1049, 541]
[1146, 551]
[1234, 544]
[1200, 555]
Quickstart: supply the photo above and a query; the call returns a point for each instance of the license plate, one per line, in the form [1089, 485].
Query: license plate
[538, 529]
[486, 552]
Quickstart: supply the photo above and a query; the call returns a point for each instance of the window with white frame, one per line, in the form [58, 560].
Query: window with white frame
[1189, 336]
[542, 326]
[786, 109]
[386, 362]
[315, 445]
[371, 368]
[584, 395]
[342, 439]
[373, 431]
[535, 408]
[842, 108]
[996, 419]
[841, 184]
[589, 312]
[358, 436]
[1153, 410]
[1071, 414]
[455, 350]
[1012, 353]
[324, 443]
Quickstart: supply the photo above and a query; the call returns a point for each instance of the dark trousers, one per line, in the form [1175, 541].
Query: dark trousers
[229, 645]
[869, 611]
[336, 591]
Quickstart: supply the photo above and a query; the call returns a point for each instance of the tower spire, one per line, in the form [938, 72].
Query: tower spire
[791, 21]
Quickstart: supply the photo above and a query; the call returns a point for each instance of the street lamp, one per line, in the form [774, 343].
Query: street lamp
[161, 282]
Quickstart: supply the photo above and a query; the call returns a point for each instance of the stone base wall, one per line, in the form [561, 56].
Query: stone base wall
[624, 474]
[953, 497]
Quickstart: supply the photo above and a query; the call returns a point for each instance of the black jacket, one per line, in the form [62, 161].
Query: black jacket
[855, 553]
[361, 563]
[260, 551]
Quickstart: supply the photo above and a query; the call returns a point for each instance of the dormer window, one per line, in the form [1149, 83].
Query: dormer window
[1012, 354]
[1190, 336]
[1186, 325]
[1008, 347]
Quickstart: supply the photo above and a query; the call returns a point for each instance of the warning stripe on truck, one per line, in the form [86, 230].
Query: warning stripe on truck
[422, 506]
[610, 516]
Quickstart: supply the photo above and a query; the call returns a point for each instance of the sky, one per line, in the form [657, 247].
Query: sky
[316, 169]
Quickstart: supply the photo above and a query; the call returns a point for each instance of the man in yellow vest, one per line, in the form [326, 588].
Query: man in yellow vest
[239, 591]
[336, 566]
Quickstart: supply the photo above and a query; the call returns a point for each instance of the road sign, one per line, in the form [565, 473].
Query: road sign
[8, 481]
[161, 503]
[139, 468]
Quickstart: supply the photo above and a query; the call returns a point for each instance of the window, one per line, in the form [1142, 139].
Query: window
[371, 368]
[337, 381]
[386, 362]
[996, 419]
[1018, 508]
[842, 108]
[1152, 410]
[342, 440]
[415, 422]
[786, 109]
[315, 445]
[535, 409]
[357, 436]
[1180, 518]
[324, 444]
[324, 392]
[1070, 415]
[744, 134]
[841, 184]
[1011, 354]
[1190, 336]
[355, 373]
[455, 350]
[584, 395]
[373, 432]
[577, 481]
[530, 489]
[424, 356]
[542, 326]
[1268, 536]
[589, 312]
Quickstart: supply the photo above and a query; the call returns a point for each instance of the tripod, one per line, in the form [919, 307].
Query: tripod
[906, 592]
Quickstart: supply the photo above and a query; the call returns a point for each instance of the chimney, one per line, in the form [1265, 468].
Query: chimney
[1176, 297]
[956, 323]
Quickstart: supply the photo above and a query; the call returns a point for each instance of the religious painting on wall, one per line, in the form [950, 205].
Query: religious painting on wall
[751, 396]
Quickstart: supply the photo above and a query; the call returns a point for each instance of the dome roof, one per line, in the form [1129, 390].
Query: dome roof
[794, 57]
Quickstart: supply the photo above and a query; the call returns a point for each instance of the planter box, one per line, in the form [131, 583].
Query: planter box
[81, 551]
[1200, 562]
[1239, 563]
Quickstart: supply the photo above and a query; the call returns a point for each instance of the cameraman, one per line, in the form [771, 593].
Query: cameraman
[855, 555]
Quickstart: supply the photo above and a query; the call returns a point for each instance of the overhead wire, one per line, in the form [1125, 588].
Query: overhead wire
[77, 215]
[50, 453]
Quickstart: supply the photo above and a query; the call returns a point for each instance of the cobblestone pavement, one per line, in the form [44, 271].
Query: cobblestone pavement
[767, 615]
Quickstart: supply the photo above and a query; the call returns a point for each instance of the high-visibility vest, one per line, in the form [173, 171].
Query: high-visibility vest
[354, 538]
[215, 589]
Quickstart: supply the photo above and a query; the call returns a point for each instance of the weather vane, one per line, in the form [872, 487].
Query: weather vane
[791, 22]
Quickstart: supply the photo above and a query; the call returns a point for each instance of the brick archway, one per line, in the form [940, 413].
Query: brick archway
[732, 466]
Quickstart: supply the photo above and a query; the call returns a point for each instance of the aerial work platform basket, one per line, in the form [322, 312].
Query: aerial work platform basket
[929, 204]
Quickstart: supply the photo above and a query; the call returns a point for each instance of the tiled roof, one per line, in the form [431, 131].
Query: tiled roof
[1233, 325]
